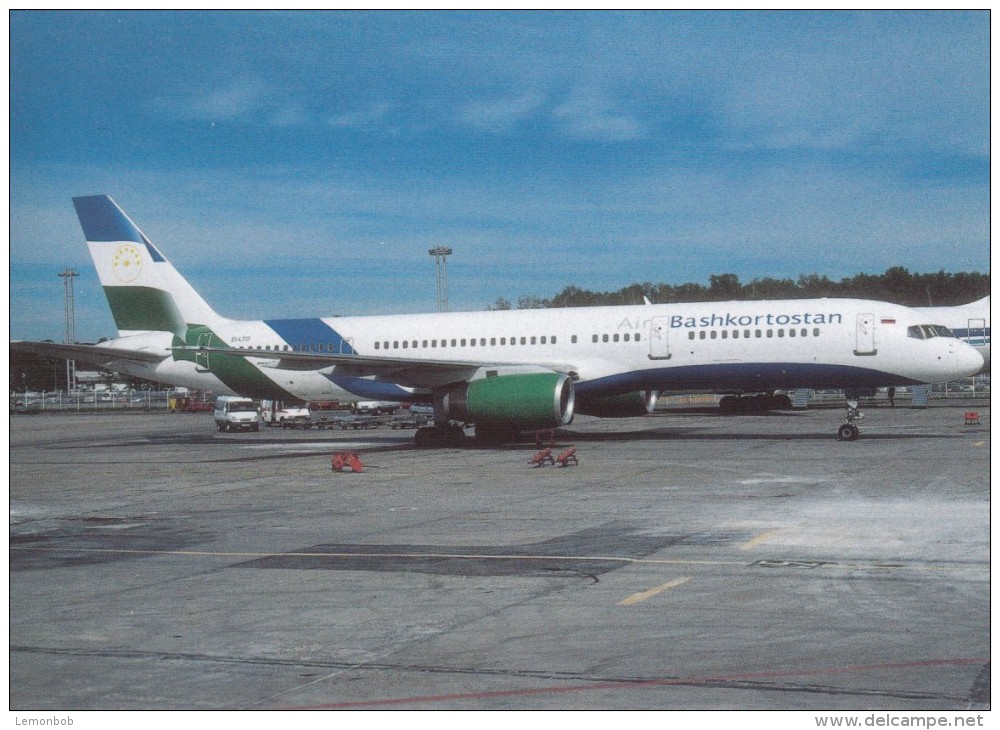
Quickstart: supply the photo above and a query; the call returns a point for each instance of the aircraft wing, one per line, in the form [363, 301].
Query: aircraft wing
[93, 354]
[409, 372]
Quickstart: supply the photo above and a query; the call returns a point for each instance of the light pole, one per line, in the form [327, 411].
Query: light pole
[440, 254]
[70, 335]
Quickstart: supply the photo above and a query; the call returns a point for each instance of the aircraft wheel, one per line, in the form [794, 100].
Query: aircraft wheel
[847, 432]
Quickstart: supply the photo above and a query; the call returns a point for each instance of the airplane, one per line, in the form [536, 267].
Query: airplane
[503, 371]
[969, 322]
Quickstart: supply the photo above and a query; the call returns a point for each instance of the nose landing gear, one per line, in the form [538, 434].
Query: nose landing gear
[848, 431]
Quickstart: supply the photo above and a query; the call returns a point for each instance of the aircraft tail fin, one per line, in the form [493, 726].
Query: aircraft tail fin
[145, 292]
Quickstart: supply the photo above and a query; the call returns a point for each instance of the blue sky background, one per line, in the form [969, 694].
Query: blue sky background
[303, 163]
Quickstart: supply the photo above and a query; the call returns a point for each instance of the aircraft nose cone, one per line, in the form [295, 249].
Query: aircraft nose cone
[971, 361]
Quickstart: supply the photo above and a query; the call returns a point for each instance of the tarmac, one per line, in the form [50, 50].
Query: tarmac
[689, 561]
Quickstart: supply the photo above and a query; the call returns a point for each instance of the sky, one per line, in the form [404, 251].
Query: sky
[303, 163]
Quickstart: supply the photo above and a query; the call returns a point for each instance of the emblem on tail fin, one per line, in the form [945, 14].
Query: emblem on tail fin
[127, 263]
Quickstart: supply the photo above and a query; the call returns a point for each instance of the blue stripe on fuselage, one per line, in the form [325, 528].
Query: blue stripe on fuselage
[741, 376]
[306, 334]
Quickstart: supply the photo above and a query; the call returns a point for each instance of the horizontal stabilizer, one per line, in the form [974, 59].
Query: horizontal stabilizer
[94, 354]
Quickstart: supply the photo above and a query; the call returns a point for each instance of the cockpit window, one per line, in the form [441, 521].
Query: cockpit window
[927, 331]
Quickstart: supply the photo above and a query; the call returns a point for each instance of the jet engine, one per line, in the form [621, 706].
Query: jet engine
[520, 401]
[627, 405]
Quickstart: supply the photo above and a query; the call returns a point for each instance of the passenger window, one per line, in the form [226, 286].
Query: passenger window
[701, 335]
[595, 338]
[690, 335]
[816, 332]
[604, 338]
[615, 338]
[542, 340]
[572, 339]
[533, 340]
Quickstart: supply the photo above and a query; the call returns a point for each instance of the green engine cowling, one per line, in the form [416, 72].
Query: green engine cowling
[626, 405]
[520, 401]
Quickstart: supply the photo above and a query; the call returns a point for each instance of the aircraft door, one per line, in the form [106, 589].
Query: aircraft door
[865, 335]
[659, 342]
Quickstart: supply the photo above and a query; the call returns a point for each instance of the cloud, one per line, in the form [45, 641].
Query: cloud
[246, 100]
[369, 116]
[500, 116]
[240, 99]
[588, 115]
[288, 115]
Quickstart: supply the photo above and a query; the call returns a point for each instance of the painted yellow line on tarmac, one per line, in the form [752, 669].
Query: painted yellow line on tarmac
[762, 537]
[639, 597]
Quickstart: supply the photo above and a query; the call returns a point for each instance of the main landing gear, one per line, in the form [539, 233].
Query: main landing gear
[848, 431]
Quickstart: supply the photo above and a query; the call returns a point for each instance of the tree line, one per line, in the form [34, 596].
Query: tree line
[897, 285]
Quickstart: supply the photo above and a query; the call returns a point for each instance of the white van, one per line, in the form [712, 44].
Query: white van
[235, 413]
[275, 412]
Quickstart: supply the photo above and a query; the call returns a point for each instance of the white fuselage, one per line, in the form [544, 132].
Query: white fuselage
[717, 346]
